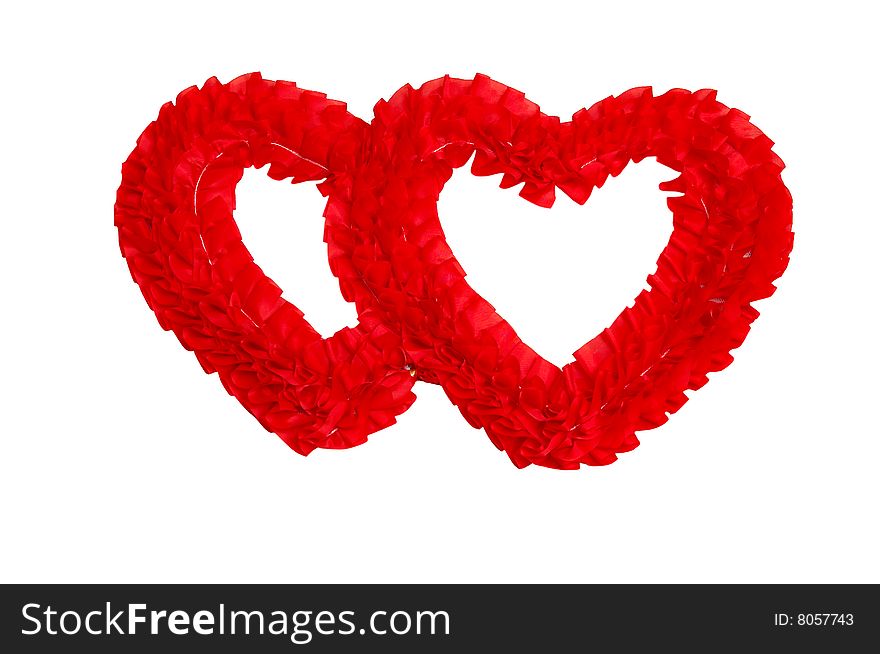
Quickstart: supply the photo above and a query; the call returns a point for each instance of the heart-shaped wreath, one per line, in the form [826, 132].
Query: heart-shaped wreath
[418, 317]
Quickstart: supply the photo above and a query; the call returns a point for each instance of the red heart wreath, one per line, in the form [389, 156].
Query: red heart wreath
[418, 316]
[174, 214]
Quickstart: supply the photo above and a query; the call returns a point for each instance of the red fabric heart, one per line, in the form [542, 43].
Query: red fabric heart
[176, 230]
[418, 316]
[731, 239]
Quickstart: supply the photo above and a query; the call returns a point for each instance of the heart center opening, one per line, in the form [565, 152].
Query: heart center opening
[284, 231]
[558, 276]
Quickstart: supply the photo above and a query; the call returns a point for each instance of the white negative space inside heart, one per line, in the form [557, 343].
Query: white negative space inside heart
[559, 276]
[282, 225]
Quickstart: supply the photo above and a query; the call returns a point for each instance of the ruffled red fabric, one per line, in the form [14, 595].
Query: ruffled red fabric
[176, 230]
[731, 239]
[418, 316]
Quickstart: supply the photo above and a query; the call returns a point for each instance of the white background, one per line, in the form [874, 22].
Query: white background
[123, 462]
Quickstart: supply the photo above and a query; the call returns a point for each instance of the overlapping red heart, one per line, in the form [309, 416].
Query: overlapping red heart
[418, 317]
